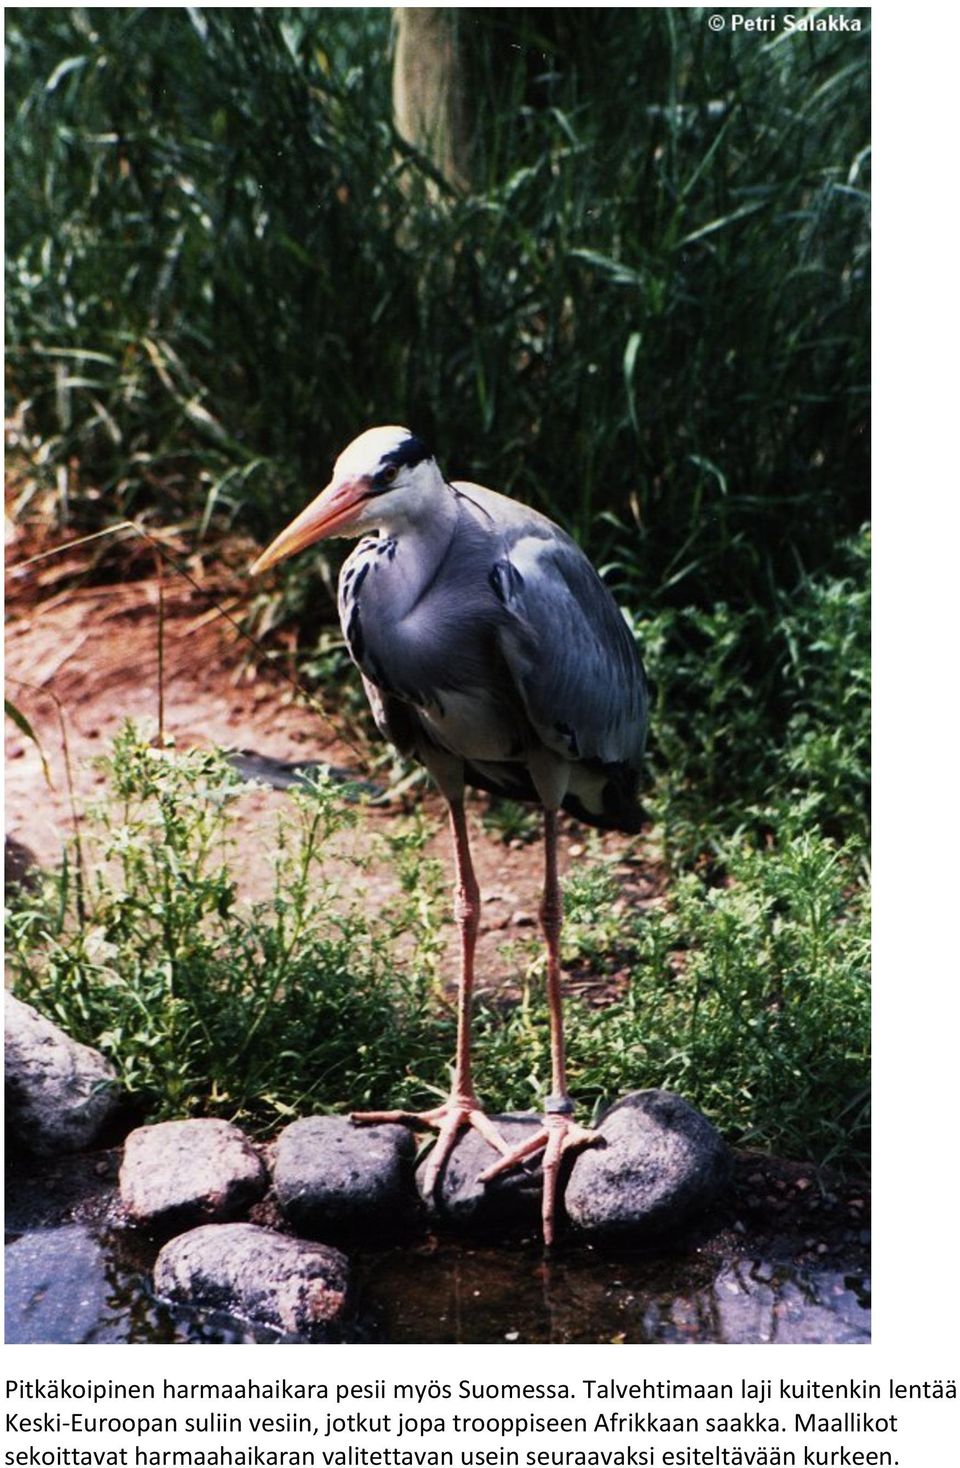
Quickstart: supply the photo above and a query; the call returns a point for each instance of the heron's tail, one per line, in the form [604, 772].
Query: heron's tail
[605, 796]
[601, 795]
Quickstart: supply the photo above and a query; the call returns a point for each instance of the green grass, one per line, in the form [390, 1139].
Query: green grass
[753, 708]
[748, 996]
[648, 317]
[140, 945]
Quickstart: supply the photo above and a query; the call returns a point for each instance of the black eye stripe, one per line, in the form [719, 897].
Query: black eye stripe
[406, 455]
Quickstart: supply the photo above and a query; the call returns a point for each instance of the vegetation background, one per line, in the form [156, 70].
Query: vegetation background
[617, 265]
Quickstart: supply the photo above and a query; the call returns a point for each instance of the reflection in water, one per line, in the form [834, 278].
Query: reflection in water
[90, 1283]
[449, 1293]
[747, 1301]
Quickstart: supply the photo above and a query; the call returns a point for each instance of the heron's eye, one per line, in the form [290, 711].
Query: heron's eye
[389, 474]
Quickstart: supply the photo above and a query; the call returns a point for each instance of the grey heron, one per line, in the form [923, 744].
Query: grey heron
[491, 651]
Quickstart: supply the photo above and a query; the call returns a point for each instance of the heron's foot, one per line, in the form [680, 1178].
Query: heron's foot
[559, 1135]
[460, 1110]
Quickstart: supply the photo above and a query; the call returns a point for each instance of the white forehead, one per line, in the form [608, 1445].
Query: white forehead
[364, 454]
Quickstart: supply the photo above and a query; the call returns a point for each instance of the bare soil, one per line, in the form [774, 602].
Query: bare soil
[83, 655]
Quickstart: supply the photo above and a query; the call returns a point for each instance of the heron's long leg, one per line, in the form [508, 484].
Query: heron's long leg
[461, 1108]
[560, 1132]
[466, 908]
[551, 920]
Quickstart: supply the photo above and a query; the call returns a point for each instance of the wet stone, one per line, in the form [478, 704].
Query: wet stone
[180, 1173]
[291, 1285]
[510, 1200]
[331, 1174]
[58, 1289]
[59, 1094]
[659, 1165]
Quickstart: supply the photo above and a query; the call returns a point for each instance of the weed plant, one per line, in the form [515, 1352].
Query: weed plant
[203, 1003]
[752, 995]
[749, 996]
[753, 709]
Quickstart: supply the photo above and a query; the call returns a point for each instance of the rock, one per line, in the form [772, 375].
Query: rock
[660, 1163]
[509, 1200]
[181, 1173]
[60, 1289]
[20, 868]
[59, 1093]
[292, 1285]
[331, 1174]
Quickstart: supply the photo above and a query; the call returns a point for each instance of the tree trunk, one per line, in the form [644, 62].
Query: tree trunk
[429, 103]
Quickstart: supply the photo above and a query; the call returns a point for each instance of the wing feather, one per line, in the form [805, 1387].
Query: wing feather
[570, 653]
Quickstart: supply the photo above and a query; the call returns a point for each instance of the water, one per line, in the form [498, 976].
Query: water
[72, 1284]
[449, 1292]
[75, 1275]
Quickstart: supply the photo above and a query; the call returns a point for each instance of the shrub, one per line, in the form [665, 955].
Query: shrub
[749, 996]
[204, 1003]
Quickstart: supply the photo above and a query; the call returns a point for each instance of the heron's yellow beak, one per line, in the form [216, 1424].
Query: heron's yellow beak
[333, 508]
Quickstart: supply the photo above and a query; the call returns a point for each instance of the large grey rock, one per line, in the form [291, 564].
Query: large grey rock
[181, 1173]
[59, 1094]
[331, 1174]
[510, 1200]
[658, 1165]
[58, 1289]
[291, 1285]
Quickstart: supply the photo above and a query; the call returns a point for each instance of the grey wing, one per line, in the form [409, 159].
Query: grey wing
[570, 653]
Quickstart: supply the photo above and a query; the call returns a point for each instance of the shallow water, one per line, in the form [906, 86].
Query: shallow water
[462, 1294]
[78, 1283]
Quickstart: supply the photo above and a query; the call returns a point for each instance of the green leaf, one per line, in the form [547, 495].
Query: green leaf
[25, 727]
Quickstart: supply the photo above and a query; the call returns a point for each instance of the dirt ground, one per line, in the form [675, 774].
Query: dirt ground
[82, 655]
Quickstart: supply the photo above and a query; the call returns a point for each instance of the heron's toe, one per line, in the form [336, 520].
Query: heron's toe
[513, 1156]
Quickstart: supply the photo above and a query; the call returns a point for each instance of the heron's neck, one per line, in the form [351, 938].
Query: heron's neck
[423, 536]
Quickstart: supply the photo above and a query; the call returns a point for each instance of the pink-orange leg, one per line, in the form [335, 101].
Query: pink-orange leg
[461, 1108]
[560, 1133]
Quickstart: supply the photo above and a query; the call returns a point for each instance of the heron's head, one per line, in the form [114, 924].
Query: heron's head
[384, 477]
